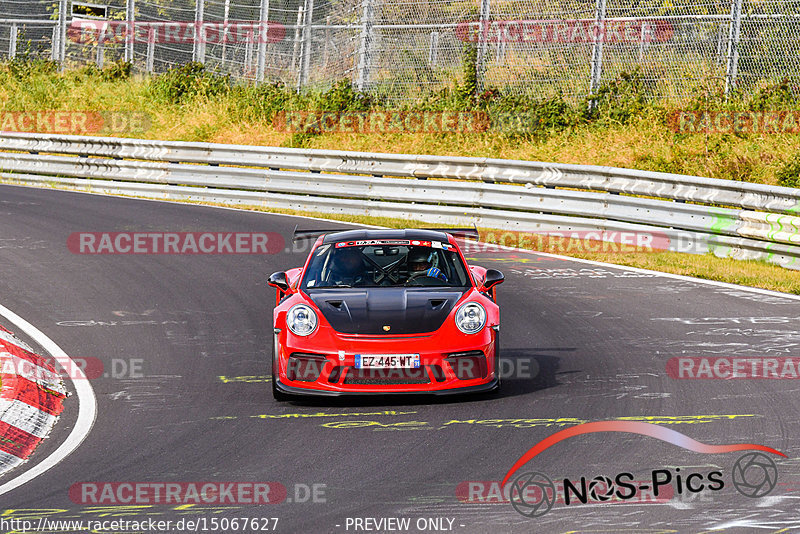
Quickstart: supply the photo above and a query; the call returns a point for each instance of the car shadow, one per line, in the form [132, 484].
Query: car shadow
[522, 372]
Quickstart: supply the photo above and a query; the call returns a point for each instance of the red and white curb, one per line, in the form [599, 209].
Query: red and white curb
[31, 398]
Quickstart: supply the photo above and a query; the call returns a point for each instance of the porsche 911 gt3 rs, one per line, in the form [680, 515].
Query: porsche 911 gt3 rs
[385, 311]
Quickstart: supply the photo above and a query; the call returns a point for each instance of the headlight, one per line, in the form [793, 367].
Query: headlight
[301, 320]
[470, 317]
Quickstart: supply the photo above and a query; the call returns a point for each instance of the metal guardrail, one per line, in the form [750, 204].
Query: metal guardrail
[696, 214]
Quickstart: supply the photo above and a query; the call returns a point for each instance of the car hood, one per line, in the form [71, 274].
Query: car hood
[372, 310]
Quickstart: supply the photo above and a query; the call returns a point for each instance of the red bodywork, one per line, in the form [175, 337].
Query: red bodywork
[444, 366]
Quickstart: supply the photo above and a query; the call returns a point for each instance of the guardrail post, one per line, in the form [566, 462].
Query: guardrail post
[597, 49]
[130, 18]
[733, 45]
[12, 42]
[199, 50]
[483, 31]
[365, 49]
[263, 32]
[305, 60]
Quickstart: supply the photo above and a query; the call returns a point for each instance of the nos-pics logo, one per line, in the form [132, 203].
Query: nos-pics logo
[533, 494]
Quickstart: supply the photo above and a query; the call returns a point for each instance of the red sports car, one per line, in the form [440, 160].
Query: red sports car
[385, 311]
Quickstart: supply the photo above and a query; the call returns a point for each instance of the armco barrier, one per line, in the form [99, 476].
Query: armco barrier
[700, 215]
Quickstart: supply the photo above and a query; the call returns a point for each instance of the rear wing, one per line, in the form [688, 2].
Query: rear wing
[458, 232]
[303, 235]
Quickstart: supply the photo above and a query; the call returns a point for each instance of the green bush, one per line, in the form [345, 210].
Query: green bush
[620, 100]
[789, 174]
[775, 97]
[250, 102]
[342, 96]
[24, 66]
[527, 117]
[189, 81]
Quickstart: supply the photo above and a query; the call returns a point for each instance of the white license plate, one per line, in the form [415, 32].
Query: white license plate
[387, 361]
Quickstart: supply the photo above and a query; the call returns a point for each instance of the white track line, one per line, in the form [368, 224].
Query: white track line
[87, 403]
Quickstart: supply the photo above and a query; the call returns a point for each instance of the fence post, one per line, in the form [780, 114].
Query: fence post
[365, 48]
[434, 49]
[59, 44]
[54, 40]
[325, 53]
[483, 31]
[305, 58]
[642, 36]
[733, 45]
[199, 52]
[12, 43]
[597, 49]
[263, 33]
[248, 58]
[225, 15]
[296, 47]
[101, 38]
[130, 17]
[151, 50]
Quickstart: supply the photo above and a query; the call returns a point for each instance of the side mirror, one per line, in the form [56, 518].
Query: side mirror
[279, 280]
[493, 277]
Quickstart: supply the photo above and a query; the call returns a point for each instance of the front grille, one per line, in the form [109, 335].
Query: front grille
[438, 373]
[333, 377]
[305, 367]
[468, 365]
[386, 377]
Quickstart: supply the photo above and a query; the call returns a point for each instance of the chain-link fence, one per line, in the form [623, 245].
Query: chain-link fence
[406, 49]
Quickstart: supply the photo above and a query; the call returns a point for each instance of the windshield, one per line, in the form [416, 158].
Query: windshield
[385, 263]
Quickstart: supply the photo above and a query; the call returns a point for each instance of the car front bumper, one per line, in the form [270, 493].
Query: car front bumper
[450, 363]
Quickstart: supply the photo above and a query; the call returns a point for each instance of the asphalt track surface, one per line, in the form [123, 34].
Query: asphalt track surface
[579, 343]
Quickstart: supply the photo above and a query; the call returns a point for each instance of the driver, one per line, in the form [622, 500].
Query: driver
[348, 267]
[419, 264]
